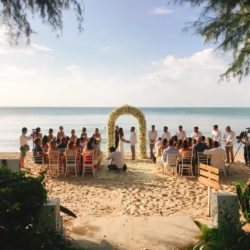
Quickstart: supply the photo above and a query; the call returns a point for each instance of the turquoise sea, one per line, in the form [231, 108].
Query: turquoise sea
[13, 119]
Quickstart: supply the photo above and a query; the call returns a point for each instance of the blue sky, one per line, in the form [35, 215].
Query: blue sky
[132, 52]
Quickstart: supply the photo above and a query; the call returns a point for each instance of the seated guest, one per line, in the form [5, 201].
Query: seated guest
[98, 137]
[117, 162]
[45, 145]
[163, 147]
[218, 156]
[178, 144]
[37, 150]
[89, 154]
[196, 133]
[52, 146]
[73, 135]
[83, 142]
[190, 142]
[67, 139]
[60, 133]
[50, 136]
[199, 147]
[63, 144]
[169, 150]
[209, 143]
[185, 150]
[71, 145]
[157, 149]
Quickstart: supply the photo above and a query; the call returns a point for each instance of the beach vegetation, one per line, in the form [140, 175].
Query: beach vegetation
[21, 198]
[243, 193]
[226, 23]
[227, 236]
[16, 16]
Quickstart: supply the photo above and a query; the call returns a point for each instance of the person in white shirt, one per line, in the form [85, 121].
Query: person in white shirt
[218, 156]
[229, 138]
[152, 135]
[196, 133]
[181, 134]
[24, 147]
[117, 161]
[216, 134]
[133, 141]
[166, 134]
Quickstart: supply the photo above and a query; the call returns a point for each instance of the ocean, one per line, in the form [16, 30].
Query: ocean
[13, 119]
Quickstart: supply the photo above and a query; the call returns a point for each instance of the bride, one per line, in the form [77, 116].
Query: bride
[121, 142]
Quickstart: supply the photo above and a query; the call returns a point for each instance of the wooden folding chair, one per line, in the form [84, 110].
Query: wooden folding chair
[71, 162]
[201, 158]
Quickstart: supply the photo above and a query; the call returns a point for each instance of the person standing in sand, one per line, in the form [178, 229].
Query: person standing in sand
[24, 147]
[116, 137]
[229, 138]
[121, 142]
[216, 134]
[181, 134]
[133, 140]
[152, 135]
[166, 134]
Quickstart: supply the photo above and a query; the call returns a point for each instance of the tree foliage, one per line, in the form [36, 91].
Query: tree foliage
[226, 23]
[15, 15]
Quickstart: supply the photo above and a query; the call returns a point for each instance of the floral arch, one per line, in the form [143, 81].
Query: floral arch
[128, 110]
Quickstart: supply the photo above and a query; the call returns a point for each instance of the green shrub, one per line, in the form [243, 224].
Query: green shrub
[21, 198]
[227, 236]
[243, 193]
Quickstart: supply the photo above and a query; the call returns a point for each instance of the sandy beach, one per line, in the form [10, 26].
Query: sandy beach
[140, 192]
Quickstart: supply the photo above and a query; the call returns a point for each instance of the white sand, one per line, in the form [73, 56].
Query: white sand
[141, 191]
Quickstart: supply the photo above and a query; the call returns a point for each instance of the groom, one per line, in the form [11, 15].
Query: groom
[133, 140]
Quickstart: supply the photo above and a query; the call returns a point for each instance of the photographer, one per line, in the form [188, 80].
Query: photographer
[243, 138]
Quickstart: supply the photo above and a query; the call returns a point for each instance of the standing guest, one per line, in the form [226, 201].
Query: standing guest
[216, 134]
[73, 136]
[217, 156]
[117, 160]
[196, 133]
[50, 136]
[133, 140]
[229, 138]
[152, 135]
[98, 137]
[24, 147]
[169, 150]
[166, 134]
[181, 134]
[60, 133]
[116, 137]
[84, 133]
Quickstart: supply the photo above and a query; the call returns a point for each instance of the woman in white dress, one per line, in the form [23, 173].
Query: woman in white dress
[122, 140]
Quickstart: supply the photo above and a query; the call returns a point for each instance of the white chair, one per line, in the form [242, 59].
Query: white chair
[201, 158]
[88, 165]
[71, 162]
[54, 163]
[172, 161]
[186, 163]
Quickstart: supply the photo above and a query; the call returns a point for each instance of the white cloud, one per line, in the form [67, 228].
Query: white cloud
[161, 11]
[22, 48]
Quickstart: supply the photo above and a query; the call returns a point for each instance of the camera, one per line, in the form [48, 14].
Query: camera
[243, 135]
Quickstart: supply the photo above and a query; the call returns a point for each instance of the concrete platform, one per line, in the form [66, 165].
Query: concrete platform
[132, 233]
